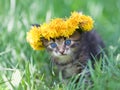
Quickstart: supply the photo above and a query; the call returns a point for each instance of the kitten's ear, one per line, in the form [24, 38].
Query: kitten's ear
[44, 41]
[37, 25]
[75, 36]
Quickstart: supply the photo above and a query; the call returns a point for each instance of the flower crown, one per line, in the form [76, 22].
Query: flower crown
[58, 28]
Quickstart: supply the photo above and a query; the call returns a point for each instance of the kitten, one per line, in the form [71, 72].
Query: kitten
[72, 54]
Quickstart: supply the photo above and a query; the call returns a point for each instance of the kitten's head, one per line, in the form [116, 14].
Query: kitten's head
[63, 48]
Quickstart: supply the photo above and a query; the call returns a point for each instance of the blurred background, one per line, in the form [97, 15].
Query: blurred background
[16, 17]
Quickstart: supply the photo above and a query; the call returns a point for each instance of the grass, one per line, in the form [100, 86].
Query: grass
[22, 68]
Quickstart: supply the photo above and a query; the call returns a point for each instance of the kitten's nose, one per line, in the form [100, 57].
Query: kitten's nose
[61, 51]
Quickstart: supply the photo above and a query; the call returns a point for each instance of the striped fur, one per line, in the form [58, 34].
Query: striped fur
[74, 58]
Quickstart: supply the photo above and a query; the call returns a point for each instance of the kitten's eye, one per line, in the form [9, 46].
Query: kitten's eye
[53, 45]
[67, 42]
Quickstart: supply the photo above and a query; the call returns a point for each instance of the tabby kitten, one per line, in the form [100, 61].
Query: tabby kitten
[71, 54]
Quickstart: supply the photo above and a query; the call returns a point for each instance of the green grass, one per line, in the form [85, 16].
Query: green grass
[19, 61]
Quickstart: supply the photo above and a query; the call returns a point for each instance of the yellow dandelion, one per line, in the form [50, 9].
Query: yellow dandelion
[74, 20]
[33, 37]
[78, 20]
[58, 28]
[87, 23]
[55, 26]
[53, 29]
[45, 31]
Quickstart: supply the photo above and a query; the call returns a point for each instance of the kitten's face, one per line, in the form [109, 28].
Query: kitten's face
[63, 48]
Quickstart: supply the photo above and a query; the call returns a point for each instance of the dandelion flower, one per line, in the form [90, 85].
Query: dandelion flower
[33, 37]
[58, 28]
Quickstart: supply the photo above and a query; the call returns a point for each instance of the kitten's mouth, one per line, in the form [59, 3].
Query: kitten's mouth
[63, 54]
